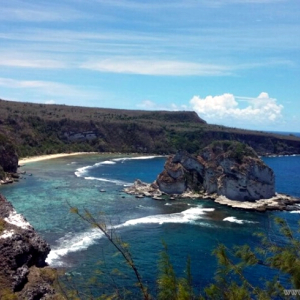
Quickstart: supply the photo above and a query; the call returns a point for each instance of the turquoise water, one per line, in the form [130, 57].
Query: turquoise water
[189, 227]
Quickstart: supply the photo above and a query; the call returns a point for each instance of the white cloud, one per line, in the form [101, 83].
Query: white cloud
[32, 84]
[46, 89]
[226, 109]
[50, 102]
[30, 63]
[150, 105]
[155, 67]
[15, 10]
[147, 104]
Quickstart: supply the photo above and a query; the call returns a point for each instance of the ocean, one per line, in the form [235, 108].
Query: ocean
[189, 227]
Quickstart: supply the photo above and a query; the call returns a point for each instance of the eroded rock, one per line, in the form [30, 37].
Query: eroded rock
[226, 168]
[22, 257]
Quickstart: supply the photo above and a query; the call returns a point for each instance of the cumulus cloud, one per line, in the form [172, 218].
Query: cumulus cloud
[231, 110]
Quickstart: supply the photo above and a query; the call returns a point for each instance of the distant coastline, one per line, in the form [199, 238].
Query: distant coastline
[31, 159]
[297, 134]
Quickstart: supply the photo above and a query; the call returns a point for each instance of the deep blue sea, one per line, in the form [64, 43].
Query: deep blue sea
[189, 227]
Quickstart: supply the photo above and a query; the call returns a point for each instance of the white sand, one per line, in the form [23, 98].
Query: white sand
[50, 156]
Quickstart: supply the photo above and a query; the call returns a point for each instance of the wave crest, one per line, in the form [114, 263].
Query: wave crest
[73, 242]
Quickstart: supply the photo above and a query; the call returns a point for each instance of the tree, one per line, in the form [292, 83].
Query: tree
[121, 247]
[230, 282]
[170, 287]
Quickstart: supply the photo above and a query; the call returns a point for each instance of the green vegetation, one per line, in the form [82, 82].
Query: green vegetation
[233, 149]
[170, 287]
[284, 257]
[7, 294]
[231, 282]
[122, 249]
[2, 225]
[37, 129]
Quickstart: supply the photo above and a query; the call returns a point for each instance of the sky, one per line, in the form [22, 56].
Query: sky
[235, 62]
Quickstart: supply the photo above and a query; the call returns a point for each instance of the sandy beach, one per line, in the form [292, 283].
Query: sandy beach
[25, 160]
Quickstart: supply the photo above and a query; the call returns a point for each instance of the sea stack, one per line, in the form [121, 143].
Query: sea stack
[226, 168]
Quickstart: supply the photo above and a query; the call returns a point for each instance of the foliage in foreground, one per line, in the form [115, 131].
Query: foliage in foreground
[230, 282]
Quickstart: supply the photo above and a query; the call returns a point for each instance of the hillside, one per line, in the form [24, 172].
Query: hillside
[43, 129]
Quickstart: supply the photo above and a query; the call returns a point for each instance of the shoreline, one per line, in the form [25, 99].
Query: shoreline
[25, 160]
[30, 159]
[280, 202]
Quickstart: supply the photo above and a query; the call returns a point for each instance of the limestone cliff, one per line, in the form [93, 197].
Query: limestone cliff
[23, 271]
[227, 168]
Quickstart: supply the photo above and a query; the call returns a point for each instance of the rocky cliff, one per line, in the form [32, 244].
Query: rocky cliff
[227, 168]
[23, 271]
[8, 158]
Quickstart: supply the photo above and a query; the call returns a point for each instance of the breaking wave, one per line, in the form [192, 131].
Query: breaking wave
[117, 182]
[235, 220]
[73, 242]
[83, 171]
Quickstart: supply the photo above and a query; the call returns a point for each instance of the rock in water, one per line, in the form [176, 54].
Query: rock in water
[227, 168]
[23, 271]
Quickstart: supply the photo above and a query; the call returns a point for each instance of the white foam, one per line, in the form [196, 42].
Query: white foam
[235, 220]
[7, 234]
[17, 220]
[76, 242]
[72, 243]
[295, 212]
[107, 162]
[188, 216]
[118, 182]
[81, 171]
[168, 204]
[122, 159]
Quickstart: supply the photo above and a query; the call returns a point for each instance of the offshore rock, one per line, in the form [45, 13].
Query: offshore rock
[142, 189]
[227, 168]
[23, 271]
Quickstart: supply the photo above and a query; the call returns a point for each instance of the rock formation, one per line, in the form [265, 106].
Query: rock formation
[8, 159]
[230, 173]
[226, 168]
[23, 271]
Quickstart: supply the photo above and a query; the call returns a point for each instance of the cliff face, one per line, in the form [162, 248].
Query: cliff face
[23, 271]
[225, 168]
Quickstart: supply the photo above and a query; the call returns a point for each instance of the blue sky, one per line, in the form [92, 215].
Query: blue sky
[234, 62]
